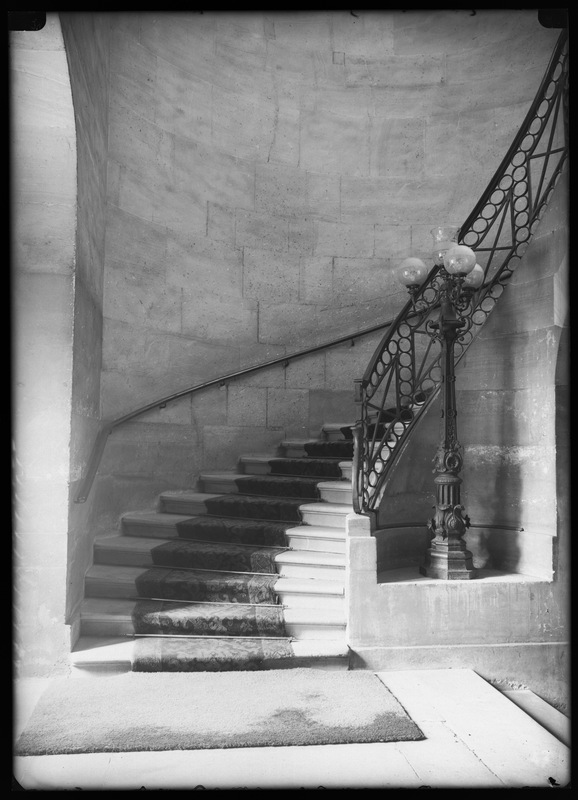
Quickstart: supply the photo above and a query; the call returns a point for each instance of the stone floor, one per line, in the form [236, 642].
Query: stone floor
[476, 737]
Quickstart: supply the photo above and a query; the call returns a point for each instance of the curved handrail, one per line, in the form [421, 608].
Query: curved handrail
[107, 426]
[403, 376]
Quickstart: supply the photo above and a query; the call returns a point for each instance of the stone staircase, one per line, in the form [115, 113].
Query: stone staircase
[276, 525]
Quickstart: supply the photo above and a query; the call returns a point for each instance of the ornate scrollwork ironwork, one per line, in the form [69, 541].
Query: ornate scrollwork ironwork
[404, 374]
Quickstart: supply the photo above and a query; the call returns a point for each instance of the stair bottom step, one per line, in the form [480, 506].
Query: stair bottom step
[105, 656]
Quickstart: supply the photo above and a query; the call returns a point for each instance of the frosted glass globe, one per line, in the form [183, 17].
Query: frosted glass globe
[459, 259]
[475, 278]
[412, 272]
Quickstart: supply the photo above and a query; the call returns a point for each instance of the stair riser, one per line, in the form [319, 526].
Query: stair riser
[115, 556]
[148, 531]
[175, 506]
[334, 436]
[228, 487]
[315, 632]
[341, 495]
[265, 469]
[296, 542]
[255, 468]
[294, 452]
[120, 667]
[125, 627]
[123, 558]
[310, 600]
[325, 519]
[311, 571]
[316, 545]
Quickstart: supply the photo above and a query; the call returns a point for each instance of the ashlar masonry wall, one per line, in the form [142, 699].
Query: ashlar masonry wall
[266, 174]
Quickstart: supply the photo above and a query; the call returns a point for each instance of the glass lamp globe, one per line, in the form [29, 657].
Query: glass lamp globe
[412, 272]
[475, 278]
[444, 238]
[459, 260]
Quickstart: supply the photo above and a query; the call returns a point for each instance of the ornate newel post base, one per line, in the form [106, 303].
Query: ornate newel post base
[447, 557]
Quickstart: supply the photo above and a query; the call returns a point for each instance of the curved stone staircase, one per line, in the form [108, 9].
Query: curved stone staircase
[248, 573]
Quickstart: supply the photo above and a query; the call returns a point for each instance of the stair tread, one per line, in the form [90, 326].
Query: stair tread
[116, 651]
[309, 586]
[312, 557]
[127, 575]
[141, 544]
[122, 608]
[329, 508]
[156, 517]
[144, 542]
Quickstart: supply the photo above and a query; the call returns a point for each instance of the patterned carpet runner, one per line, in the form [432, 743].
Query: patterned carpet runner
[216, 556]
[342, 450]
[209, 602]
[238, 531]
[215, 587]
[208, 655]
[208, 619]
[317, 467]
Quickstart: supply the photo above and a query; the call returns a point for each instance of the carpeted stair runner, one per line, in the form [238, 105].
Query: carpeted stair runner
[315, 467]
[215, 556]
[157, 617]
[215, 587]
[275, 509]
[208, 655]
[239, 531]
[278, 485]
[330, 449]
[209, 603]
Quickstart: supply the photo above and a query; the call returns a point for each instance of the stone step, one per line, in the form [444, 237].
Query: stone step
[333, 430]
[105, 655]
[311, 564]
[151, 524]
[331, 491]
[346, 468]
[137, 552]
[114, 617]
[226, 483]
[317, 537]
[336, 491]
[259, 464]
[547, 716]
[295, 448]
[331, 515]
[321, 513]
[311, 593]
[186, 502]
[120, 581]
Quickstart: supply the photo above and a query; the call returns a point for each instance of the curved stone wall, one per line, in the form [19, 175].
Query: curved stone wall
[266, 174]
[268, 171]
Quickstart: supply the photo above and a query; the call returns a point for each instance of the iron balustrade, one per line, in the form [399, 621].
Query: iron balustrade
[107, 426]
[404, 375]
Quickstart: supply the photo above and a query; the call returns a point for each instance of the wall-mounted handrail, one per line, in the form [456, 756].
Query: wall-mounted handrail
[403, 375]
[107, 426]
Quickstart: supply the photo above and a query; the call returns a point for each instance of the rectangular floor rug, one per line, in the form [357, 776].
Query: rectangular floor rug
[136, 712]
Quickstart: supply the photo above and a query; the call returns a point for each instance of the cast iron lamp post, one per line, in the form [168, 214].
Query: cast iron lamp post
[447, 557]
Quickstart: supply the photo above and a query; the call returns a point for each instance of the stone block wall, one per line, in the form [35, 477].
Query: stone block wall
[266, 174]
[43, 216]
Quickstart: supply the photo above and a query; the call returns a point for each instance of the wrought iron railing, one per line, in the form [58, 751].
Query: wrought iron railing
[107, 426]
[403, 376]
